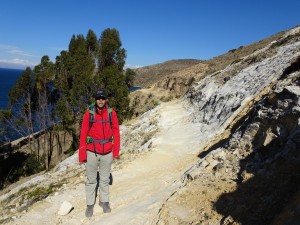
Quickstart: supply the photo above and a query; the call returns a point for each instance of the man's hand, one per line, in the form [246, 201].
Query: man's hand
[115, 159]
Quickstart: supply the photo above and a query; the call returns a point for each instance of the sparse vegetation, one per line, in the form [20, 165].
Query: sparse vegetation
[221, 61]
[285, 40]
[236, 61]
[41, 192]
[149, 75]
[152, 104]
[252, 59]
[166, 98]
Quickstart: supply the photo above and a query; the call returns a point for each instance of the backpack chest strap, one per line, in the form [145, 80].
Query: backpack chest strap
[102, 141]
[99, 121]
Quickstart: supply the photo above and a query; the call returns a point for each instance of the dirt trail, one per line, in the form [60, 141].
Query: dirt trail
[141, 187]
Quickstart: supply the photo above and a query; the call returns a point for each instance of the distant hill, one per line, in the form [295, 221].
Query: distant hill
[149, 75]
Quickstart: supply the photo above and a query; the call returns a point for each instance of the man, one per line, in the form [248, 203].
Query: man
[99, 144]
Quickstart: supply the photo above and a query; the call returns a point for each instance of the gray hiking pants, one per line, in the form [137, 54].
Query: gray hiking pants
[103, 162]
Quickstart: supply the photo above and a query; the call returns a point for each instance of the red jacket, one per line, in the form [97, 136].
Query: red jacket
[99, 131]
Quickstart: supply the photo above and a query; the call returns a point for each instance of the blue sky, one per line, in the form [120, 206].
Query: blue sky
[151, 31]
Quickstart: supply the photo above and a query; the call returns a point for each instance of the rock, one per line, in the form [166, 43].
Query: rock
[269, 137]
[246, 176]
[295, 90]
[204, 163]
[65, 208]
[212, 164]
[298, 209]
[220, 155]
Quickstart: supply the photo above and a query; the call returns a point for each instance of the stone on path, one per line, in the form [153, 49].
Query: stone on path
[65, 208]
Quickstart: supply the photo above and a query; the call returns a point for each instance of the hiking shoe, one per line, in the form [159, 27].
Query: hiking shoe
[89, 210]
[105, 206]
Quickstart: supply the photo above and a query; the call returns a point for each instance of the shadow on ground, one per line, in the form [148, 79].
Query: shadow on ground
[261, 198]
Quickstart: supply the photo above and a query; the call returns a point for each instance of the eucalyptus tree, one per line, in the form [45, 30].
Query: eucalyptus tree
[92, 44]
[20, 104]
[111, 52]
[44, 75]
[110, 74]
[129, 77]
[74, 70]
[21, 117]
[5, 116]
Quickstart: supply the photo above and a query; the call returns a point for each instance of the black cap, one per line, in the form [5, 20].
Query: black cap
[100, 93]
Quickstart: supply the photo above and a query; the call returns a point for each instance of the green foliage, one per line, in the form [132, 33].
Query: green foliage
[43, 74]
[21, 98]
[22, 90]
[40, 193]
[110, 51]
[110, 72]
[32, 165]
[129, 77]
[92, 43]
[74, 73]
[114, 82]
[5, 115]
[65, 113]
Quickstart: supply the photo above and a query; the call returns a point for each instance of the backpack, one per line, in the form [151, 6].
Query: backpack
[92, 110]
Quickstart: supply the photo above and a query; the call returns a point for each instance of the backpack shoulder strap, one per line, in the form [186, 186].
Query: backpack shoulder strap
[110, 116]
[92, 114]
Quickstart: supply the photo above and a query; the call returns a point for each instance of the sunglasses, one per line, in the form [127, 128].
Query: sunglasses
[100, 98]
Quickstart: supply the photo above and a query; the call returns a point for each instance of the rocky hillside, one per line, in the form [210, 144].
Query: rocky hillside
[223, 149]
[166, 81]
[250, 134]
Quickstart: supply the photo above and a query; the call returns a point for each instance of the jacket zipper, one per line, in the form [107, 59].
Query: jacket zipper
[103, 131]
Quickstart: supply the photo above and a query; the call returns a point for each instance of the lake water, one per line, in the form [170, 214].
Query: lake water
[131, 89]
[8, 78]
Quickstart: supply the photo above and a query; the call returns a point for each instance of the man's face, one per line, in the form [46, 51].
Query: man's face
[101, 101]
